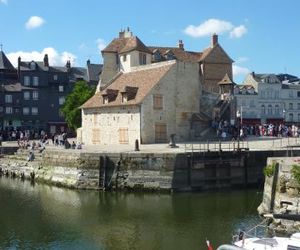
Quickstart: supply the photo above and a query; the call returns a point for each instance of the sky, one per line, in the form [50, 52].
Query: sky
[259, 35]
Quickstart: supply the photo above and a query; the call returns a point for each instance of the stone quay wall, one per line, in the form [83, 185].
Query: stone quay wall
[136, 170]
[282, 193]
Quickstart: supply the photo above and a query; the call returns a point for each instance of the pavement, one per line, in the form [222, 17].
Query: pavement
[252, 143]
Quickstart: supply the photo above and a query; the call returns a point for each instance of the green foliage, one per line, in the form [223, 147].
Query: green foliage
[269, 170]
[79, 95]
[296, 172]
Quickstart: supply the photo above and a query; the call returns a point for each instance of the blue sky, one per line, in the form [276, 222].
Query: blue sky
[259, 35]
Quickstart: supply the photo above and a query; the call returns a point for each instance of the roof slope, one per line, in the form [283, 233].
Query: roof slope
[126, 44]
[4, 62]
[180, 54]
[143, 80]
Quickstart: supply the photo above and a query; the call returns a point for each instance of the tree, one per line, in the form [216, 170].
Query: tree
[79, 95]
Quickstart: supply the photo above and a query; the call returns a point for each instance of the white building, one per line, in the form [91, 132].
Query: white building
[268, 98]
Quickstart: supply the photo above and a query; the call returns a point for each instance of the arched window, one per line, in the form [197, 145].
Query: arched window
[276, 109]
[263, 109]
[269, 109]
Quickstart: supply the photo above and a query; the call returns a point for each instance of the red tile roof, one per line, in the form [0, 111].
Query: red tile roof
[140, 81]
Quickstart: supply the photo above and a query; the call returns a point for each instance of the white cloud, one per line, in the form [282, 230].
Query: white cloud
[217, 26]
[238, 32]
[100, 44]
[242, 60]
[55, 58]
[209, 27]
[238, 70]
[3, 1]
[34, 22]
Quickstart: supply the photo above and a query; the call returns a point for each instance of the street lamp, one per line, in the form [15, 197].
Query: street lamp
[238, 115]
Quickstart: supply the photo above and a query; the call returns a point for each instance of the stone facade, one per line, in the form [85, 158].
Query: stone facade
[264, 98]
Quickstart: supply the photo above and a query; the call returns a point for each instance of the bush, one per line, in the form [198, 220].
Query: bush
[269, 170]
[296, 172]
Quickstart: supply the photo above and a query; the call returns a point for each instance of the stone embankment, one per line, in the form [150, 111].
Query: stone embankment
[282, 192]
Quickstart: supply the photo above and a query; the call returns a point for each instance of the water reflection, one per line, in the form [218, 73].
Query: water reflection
[47, 217]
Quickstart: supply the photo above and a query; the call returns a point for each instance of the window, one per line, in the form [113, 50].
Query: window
[117, 59]
[95, 135]
[105, 99]
[263, 109]
[124, 58]
[142, 58]
[270, 109]
[160, 132]
[8, 98]
[55, 77]
[1, 109]
[32, 65]
[123, 135]
[35, 95]
[298, 106]
[124, 97]
[157, 101]
[298, 117]
[34, 111]
[291, 117]
[26, 80]
[252, 103]
[276, 94]
[25, 111]
[17, 110]
[60, 113]
[8, 110]
[35, 81]
[262, 94]
[276, 109]
[298, 94]
[61, 100]
[60, 88]
[291, 93]
[26, 95]
[290, 106]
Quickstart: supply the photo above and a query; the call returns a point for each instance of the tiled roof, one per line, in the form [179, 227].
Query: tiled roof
[180, 54]
[4, 62]
[126, 44]
[93, 71]
[226, 80]
[141, 81]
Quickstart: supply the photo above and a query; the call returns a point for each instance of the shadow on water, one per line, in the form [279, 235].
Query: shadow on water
[48, 217]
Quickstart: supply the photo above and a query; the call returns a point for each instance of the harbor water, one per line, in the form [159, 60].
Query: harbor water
[38, 216]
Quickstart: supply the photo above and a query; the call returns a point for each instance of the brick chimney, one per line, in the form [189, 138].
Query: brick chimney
[180, 45]
[214, 40]
[46, 60]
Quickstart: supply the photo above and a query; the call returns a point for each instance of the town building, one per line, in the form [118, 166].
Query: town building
[31, 95]
[148, 93]
[269, 98]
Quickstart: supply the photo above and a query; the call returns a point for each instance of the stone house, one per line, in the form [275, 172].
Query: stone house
[148, 93]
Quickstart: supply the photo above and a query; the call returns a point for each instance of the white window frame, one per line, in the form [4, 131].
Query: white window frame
[55, 77]
[61, 100]
[35, 95]
[35, 81]
[61, 88]
[26, 95]
[8, 98]
[34, 110]
[8, 110]
[26, 80]
[26, 110]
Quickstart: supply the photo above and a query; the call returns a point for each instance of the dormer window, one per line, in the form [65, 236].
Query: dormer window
[105, 99]
[124, 97]
[32, 65]
[156, 56]
[170, 55]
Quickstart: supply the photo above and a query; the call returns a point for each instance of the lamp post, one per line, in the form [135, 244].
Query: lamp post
[238, 115]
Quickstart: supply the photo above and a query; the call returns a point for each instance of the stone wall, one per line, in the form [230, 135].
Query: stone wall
[282, 193]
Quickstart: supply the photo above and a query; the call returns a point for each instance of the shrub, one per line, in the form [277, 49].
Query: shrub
[269, 170]
[296, 172]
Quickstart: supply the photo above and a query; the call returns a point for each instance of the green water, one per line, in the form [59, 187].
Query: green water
[45, 217]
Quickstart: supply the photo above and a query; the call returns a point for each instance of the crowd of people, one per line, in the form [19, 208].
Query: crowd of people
[227, 131]
[31, 139]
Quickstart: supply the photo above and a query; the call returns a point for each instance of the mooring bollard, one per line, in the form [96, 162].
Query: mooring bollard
[136, 148]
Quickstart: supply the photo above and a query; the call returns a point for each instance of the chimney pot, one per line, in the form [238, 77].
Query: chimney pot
[46, 60]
